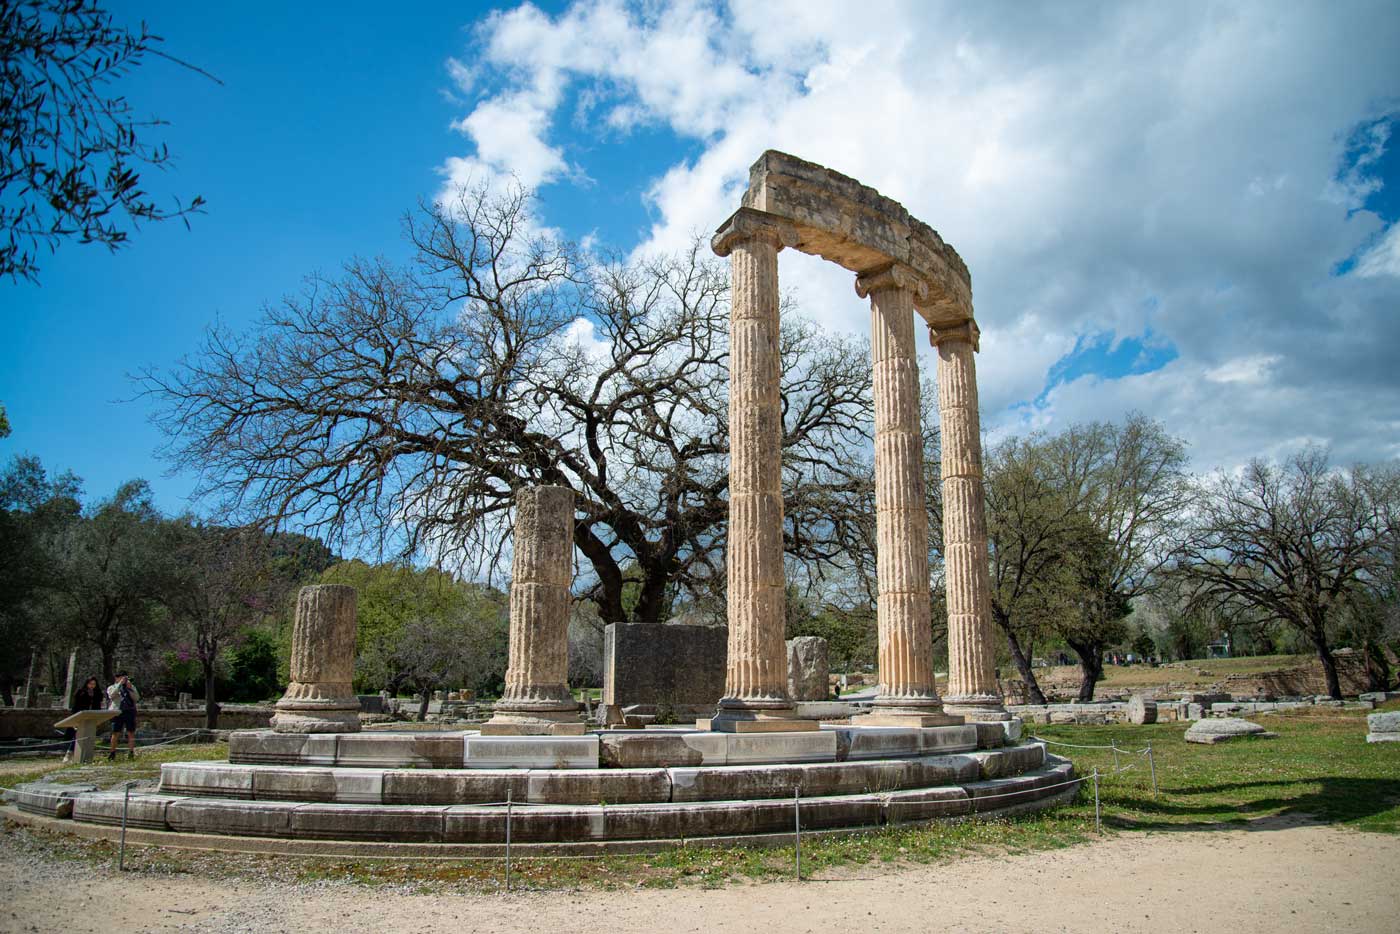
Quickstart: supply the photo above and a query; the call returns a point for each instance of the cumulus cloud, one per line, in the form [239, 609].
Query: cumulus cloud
[1194, 172]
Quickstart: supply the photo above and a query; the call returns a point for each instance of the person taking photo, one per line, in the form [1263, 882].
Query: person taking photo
[122, 697]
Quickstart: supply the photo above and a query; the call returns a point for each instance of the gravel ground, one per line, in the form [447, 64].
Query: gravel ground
[1277, 873]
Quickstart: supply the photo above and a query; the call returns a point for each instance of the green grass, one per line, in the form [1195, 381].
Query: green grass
[1320, 768]
[1190, 674]
[105, 774]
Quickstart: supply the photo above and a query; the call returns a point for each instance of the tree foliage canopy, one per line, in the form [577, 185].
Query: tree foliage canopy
[72, 149]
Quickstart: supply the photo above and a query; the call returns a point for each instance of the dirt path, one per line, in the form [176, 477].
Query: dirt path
[1276, 876]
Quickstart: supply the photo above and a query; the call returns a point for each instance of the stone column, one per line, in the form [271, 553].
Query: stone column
[320, 698]
[756, 697]
[537, 698]
[972, 684]
[907, 696]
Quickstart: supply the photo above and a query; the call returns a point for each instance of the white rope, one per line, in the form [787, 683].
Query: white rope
[1052, 742]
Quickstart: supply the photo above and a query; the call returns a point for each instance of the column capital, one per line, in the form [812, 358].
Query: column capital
[748, 224]
[893, 276]
[965, 332]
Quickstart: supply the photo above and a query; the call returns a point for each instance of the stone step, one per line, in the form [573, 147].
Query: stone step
[441, 786]
[656, 747]
[552, 823]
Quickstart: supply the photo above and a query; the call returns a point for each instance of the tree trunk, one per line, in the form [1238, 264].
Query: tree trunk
[211, 709]
[651, 602]
[423, 704]
[109, 662]
[1034, 695]
[1329, 664]
[1090, 667]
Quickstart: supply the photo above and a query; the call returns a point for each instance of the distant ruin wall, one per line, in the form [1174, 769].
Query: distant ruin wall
[38, 722]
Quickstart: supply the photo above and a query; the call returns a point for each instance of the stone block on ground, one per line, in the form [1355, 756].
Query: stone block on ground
[143, 811]
[1223, 729]
[1383, 727]
[1141, 710]
[48, 798]
[809, 677]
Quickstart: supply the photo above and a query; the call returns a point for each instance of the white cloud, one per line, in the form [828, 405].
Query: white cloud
[1384, 258]
[1116, 168]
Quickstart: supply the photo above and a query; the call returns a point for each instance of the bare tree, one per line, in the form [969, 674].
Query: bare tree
[1292, 543]
[73, 150]
[406, 406]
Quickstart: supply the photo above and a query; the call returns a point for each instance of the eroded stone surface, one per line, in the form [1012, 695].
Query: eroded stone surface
[320, 698]
[536, 699]
[1221, 729]
[809, 675]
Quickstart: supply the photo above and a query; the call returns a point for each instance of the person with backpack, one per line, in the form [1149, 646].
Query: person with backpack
[122, 697]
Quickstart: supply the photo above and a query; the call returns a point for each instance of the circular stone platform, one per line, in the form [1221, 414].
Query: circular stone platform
[446, 794]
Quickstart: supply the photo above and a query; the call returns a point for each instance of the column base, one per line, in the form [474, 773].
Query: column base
[316, 721]
[775, 719]
[535, 723]
[908, 718]
[977, 710]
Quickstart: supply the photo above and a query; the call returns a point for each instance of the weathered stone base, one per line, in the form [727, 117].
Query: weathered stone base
[533, 729]
[1383, 737]
[635, 809]
[148, 826]
[879, 717]
[337, 718]
[722, 723]
[976, 712]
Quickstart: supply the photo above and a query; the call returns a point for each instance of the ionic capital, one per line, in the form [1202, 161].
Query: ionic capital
[893, 276]
[749, 224]
[967, 332]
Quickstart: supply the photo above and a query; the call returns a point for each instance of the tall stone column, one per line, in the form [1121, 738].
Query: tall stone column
[907, 695]
[972, 683]
[756, 697]
[321, 698]
[537, 699]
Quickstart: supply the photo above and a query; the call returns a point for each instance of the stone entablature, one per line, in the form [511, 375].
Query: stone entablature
[837, 218]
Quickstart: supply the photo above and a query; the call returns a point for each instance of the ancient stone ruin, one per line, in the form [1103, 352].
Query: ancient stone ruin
[537, 775]
[321, 697]
[537, 698]
[904, 268]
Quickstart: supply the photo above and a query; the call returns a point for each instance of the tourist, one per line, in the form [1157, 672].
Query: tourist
[88, 697]
[123, 697]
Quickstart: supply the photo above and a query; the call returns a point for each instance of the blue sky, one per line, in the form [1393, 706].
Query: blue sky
[331, 122]
[1190, 213]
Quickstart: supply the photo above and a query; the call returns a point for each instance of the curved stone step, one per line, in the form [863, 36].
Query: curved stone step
[485, 824]
[658, 747]
[590, 786]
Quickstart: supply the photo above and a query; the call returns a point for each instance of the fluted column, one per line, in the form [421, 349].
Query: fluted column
[321, 697]
[536, 698]
[756, 696]
[907, 694]
[972, 684]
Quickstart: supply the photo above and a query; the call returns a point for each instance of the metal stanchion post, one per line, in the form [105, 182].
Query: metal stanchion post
[121, 851]
[1114, 743]
[1152, 765]
[1098, 818]
[797, 827]
[508, 815]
